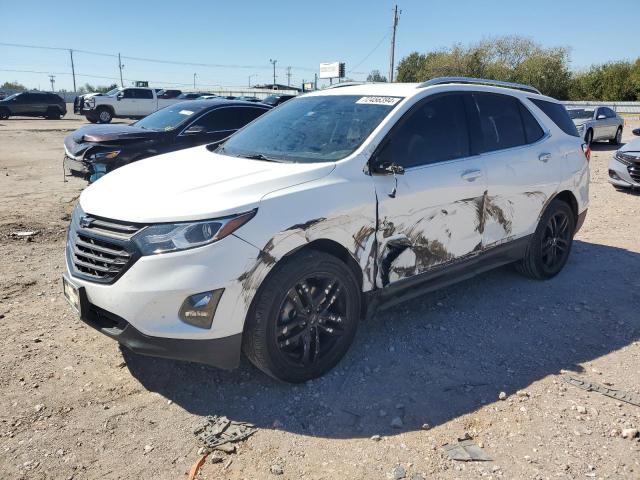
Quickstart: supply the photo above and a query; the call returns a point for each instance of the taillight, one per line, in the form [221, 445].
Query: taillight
[586, 149]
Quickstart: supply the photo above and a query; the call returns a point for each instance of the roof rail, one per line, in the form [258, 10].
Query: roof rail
[345, 84]
[478, 81]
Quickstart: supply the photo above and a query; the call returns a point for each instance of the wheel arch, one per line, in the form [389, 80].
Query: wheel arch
[569, 198]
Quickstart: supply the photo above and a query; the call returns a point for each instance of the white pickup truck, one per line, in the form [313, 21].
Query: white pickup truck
[133, 102]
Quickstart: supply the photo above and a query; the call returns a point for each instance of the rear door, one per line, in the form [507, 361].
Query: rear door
[521, 162]
[600, 125]
[431, 215]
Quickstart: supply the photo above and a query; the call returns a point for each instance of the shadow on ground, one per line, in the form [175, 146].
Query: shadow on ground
[605, 146]
[434, 358]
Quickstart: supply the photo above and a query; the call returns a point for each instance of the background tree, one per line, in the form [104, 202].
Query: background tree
[88, 88]
[376, 76]
[13, 86]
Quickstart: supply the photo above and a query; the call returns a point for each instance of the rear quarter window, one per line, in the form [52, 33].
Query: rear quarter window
[558, 115]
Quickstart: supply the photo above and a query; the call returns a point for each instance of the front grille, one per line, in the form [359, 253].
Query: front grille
[100, 249]
[634, 172]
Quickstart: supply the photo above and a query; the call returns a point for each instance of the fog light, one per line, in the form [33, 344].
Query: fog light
[614, 175]
[198, 310]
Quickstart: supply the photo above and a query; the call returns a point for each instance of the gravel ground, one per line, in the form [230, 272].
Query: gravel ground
[75, 406]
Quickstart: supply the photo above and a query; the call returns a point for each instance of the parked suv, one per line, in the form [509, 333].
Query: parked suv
[33, 104]
[598, 124]
[279, 240]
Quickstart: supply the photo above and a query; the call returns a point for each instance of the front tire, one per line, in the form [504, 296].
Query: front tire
[617, 140]
[588, 138]
[550, 245]
[304, 318]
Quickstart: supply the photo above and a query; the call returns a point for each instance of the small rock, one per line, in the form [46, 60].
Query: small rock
[376, 438]
[581, 409]
[522, 393]
[502, 396]
[216, 458]
[396, 422]
[202, 451]
[426, 426]
[147, 449]
[398, 473]
[629, 433]
[276, 470]
[39, 407]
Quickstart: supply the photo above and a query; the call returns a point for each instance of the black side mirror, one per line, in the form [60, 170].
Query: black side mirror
[194, 130]
[120, 96]
[388, 168]
[636, 131]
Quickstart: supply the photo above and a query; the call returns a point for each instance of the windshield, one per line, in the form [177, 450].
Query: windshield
[580, 114]
[112, 92]
[311, 129]
[168, 118]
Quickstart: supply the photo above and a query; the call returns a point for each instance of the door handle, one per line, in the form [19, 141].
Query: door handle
[471, 175]
[544, 157]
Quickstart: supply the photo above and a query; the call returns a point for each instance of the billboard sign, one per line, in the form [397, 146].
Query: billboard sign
[330, 70]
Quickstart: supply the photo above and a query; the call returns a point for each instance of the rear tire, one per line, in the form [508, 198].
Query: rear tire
[617, 140]
[4, 113]
[303, 318]
[550, 245]
[104, 115]
[53, 113]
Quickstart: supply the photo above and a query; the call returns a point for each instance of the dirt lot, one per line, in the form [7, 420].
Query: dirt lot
[74, 406]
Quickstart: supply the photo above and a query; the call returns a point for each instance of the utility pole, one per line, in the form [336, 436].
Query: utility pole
[194, 81]
[120, 66]
[315, 81]
[250, 77]
[273, 62]
[73, 70]
[396, 15]
[288, 76]
[52, 79]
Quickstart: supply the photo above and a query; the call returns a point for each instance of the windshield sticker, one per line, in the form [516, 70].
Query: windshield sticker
[379, 100]
[185, 112]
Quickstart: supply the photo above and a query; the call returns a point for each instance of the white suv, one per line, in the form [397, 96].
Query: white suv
[278, 241]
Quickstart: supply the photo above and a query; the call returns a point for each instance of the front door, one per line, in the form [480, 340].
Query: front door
[432, 213]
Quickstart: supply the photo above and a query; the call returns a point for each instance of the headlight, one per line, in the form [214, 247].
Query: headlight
[171, 237]
[104, 155]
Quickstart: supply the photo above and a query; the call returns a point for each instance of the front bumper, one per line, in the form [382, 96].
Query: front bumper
[619, 175]
[141, 308]
[76, 166]
[219, 352]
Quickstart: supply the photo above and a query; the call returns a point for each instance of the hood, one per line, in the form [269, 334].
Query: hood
[632, 146]
[108, 135]
[192, 184]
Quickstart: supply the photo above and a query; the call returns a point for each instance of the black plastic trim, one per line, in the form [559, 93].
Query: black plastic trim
[218, 352]
[580, 221]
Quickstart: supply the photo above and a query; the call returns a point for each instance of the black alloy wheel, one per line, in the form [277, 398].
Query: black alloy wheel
[303, 317]
[556, 241]
[310, 320]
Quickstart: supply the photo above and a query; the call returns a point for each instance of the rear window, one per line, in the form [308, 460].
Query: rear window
[558, 114]
[500, 121]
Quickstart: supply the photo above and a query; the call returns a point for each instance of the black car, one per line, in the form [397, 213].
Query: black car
[636, 131]
[94, 150]
[275, 100]
[33, 104]
[167, 94]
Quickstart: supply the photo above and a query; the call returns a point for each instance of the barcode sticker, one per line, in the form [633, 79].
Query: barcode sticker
[379, 100]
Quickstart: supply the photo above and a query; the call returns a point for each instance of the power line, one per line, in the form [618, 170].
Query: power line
[384, 37]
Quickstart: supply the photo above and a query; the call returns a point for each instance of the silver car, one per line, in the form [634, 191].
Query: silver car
[598, 124]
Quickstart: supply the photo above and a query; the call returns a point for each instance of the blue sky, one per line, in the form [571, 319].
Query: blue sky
[296, 33]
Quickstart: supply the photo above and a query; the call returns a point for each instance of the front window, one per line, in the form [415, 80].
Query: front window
[311, 129]
[168, 118]
[580, 114]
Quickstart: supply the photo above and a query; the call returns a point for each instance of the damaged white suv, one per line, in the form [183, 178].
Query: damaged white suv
[278, 241]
